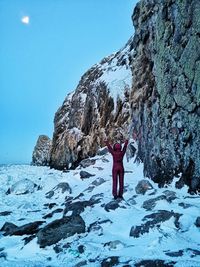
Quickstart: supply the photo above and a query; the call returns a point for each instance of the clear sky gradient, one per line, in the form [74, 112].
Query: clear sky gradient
[42, 61]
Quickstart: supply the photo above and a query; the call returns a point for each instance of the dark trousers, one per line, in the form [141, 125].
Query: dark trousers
[118, 175]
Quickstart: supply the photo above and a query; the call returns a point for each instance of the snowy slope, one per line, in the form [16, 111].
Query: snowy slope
[109, 238]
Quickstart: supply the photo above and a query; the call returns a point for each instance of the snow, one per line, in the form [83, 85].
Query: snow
[117, 80]
[30, 207]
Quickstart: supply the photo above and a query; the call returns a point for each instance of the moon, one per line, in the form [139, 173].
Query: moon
[25, 20]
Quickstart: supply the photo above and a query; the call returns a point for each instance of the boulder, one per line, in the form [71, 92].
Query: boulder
[5, 213]
[165, 94]
[61, 188]
[41, 152]
[149, 204]
[114, 245]
[87, 162]
[197, 223]
[60, 229]
[85, 175]
[143, 186]
[153, 220]
[24, 186]
[155, 263]
[98, 181]
[78, 207]
[26, 229]
[110, 261]
[112, 205]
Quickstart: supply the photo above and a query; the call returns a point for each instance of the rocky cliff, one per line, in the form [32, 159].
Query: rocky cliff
[165, 95]
[99, 106]
[41, 152]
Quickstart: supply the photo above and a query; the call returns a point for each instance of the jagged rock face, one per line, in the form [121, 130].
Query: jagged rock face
[165, 98]
[41, 153]
[99, 106]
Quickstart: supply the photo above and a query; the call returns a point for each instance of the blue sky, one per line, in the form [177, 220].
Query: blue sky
[43, 61]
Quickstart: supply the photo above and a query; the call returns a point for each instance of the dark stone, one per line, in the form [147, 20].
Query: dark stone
[5, 213]
[112, 205]
[153, 220]
[131, 200]
[151, 203]
[170, 195]
[81, 249]
[155, 263]
[85, 175]
[98, 181]
[57, 249]
[197, 223]
[110, 262]
[194, 252]
[3, 255]
[143, 186]
[81, 263]
[49, 215]
[164, 99]
[60, 229]
[89, 189]
[96, 197]
[64, 187]
[28, 239]
[87, 162]
[49, 194]
[79, 206]
[26, 229]
[184, 205]
[178, 253]
[50, 205]
[96, 226]
[8, 228]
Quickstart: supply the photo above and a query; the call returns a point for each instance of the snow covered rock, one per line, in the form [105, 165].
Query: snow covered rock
[24, 186]
[41, 152]
[153, 220]
[109, 262]
[149, 204]
[61, 188]
[143, 186]
[155, 263]
[59, 229]
[26, 229]
[87, 162]
[197, 223]
[99, 106]
[112, 205]
[79, 206]
[114, 245]
[85, 175]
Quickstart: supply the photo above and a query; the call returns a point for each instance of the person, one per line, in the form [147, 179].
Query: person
[118, 167]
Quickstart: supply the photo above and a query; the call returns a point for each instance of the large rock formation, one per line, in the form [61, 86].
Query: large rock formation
[41, 153]
[99, 106]
[161, 65]
[165, 98]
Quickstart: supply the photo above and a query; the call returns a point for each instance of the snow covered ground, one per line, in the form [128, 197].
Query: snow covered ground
[108, 241]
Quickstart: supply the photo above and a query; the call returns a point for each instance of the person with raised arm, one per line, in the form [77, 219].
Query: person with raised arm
[118, 168]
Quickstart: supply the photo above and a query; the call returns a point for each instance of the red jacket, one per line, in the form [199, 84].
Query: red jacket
[117, 154]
